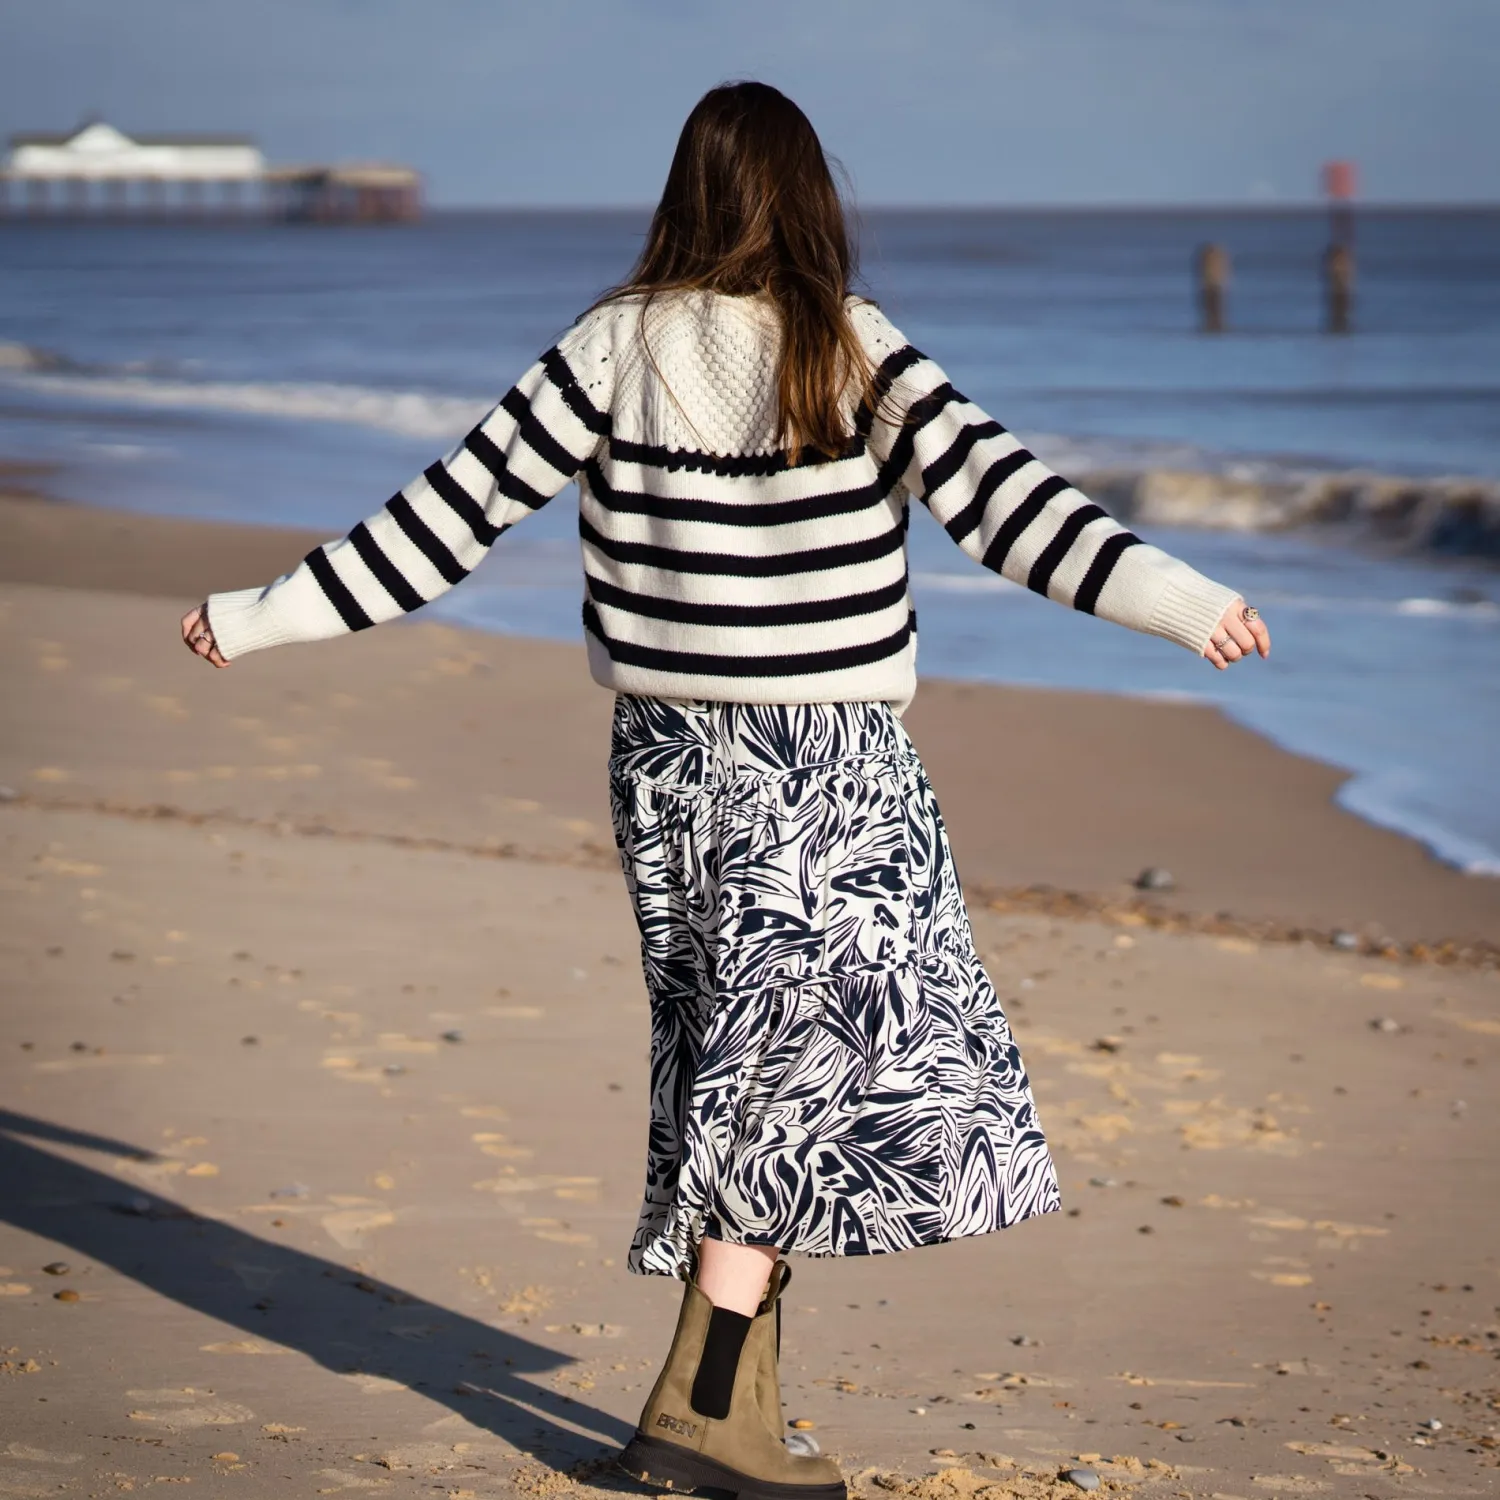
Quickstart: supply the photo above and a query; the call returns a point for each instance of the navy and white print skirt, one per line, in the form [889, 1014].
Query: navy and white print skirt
[831, 1071]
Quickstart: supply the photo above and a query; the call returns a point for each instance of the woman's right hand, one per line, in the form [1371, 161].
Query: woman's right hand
[198, 636]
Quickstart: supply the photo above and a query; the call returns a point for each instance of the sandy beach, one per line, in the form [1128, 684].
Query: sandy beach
[323, 1053]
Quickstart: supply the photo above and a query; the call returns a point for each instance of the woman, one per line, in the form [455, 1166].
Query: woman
[832, 1072]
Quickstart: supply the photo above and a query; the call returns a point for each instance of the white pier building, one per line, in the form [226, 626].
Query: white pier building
[100, 171]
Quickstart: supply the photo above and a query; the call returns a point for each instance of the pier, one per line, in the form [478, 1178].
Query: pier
[99, 172]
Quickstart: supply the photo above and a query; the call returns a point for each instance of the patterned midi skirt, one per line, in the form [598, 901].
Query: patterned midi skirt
[831, 1070]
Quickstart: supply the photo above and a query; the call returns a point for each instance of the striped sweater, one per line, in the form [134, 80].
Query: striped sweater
[713, 567]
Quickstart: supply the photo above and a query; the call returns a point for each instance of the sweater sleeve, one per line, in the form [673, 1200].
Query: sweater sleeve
[434, 532]
[1011, 513]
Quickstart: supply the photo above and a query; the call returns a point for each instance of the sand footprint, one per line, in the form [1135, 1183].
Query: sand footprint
[181, 1409]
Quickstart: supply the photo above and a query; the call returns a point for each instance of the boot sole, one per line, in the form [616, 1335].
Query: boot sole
[653, 1461]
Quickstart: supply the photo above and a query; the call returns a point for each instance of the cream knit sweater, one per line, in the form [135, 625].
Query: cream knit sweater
[713, 568]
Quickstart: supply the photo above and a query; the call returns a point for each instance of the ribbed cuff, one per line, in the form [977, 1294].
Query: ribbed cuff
[245, 620]
[1187, 612]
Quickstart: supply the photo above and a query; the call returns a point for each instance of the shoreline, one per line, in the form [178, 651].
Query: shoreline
[1032, 806]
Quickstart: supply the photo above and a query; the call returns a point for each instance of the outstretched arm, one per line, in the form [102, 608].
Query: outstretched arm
[433, 533]
[1011, 513]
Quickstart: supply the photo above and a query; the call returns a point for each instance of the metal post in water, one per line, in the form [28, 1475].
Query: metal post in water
[1213, 283]
[1338, 258]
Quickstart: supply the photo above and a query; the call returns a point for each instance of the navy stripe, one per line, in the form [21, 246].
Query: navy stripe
[704, 664]
[746, 616]
[462, 504]
[1059, 547]
[537, 438]
[1020, 518]
[725, 465]
[816, 560]
[512, 486]
[1087, 597]
[561, 376]
[392, 580]
[426, 540]
[942, 469]
[336, 592]
[962, 522]
[918, 415]
[890, 370]
[728, 512]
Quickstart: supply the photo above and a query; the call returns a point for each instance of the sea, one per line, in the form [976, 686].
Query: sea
[298, 374]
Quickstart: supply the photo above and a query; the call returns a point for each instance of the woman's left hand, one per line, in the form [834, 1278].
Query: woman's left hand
[198, 636]
[1240, 632]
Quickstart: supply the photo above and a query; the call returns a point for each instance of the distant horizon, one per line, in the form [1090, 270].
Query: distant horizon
[1127, 104]
[1253, 206]
[1252, 202]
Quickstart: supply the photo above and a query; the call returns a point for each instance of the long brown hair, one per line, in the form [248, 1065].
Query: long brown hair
[750, 207]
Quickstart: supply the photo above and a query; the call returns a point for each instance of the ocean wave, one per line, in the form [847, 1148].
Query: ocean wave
[416, 414]
[1445, 516]
[24, 357]
[1144, 484]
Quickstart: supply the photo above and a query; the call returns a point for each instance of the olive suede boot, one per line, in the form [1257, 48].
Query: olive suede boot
[764, 1343]
[714, 1417]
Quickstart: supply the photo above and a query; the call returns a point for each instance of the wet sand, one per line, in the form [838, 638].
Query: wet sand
[323, 1047]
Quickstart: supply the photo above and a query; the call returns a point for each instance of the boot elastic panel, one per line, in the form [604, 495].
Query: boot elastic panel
[713, 1385]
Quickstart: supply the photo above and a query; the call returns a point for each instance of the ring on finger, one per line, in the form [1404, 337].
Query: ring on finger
[1220, 646]
[1248, 613]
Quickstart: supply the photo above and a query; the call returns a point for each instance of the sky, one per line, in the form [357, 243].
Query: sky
[579, 102]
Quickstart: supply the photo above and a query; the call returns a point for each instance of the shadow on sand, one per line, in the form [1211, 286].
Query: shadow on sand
[334, 1316]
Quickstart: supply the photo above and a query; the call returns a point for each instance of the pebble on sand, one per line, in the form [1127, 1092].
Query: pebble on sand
[1085, 1479]
[57, 1268]
[801, 1424]
[453, 1036]
[67, 1295]
[1155, 878]
[1385, 1023]
[802, 1445]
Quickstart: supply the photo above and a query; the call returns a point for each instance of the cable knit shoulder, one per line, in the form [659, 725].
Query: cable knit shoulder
[591, 350]
[696, 371]
[879, 336]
